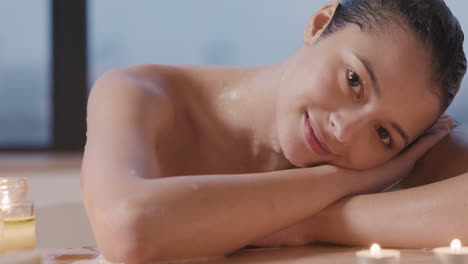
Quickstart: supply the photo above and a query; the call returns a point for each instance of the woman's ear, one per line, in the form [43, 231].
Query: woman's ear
[319, 22]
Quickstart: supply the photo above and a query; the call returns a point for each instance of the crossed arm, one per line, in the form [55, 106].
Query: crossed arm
[137, 215]
[427, 209]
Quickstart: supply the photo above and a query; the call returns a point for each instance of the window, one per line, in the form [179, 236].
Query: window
[255, 32]
[43, 53]
[123, 33]
[43, 75]
[25, 102]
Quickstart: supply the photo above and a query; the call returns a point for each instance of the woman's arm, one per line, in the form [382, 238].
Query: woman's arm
[137, 216]
[424, 216]
[447, 159]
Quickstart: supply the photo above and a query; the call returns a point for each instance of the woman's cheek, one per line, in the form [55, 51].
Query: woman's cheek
[364, 156]
[329, 93]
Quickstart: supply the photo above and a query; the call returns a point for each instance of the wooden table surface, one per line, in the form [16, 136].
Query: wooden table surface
[296, 255]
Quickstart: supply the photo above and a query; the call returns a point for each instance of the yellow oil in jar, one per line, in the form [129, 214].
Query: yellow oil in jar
[19, 234]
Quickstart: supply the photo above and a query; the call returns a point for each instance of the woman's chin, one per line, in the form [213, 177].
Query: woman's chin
[296, 159]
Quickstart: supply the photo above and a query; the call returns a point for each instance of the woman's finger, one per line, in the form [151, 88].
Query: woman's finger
[427, 141]
[442, 123]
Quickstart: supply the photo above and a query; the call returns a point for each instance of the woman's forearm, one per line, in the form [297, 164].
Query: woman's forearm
[195, 216]
[214, 215]
[425, 216]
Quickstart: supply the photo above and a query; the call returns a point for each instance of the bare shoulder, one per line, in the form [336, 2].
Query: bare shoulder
[140, 94]
[165, 110]
[130, 110]
[147, 110]
[134, 83]
[447, 159]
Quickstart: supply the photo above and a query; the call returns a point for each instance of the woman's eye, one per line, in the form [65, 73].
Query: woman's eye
[355, 83]
[384, 136]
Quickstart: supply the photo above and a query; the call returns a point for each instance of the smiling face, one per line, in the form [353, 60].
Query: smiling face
[363, 95]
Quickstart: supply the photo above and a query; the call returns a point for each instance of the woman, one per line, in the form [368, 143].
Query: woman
[259, 151]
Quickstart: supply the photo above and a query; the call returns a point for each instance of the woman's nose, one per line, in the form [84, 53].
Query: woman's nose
[346, 126]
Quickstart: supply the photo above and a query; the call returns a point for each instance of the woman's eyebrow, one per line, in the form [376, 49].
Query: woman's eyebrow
[370, 71]
[401, 132]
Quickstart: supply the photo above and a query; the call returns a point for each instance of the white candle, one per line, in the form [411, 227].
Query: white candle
[18, 215]
[376, 255]
[455, 254]
[19, 234]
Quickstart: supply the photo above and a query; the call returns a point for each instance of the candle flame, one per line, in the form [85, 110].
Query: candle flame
[375, 250]
[455, 246]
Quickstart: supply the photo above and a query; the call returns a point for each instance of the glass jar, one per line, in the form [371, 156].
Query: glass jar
[18, 215]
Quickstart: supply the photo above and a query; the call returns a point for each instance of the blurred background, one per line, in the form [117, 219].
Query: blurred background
[119, 33]
[52, 51]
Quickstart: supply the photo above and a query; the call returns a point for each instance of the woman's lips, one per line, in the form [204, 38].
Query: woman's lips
[312, 140]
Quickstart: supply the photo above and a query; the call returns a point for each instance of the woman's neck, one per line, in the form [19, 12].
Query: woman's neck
[250, 106]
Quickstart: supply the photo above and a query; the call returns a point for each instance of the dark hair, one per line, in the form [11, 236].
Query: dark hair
[431, 20]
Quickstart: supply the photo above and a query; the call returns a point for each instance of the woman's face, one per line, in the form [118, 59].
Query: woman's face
[355, 99]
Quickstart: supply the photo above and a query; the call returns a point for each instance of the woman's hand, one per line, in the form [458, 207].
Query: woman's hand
[400, 166]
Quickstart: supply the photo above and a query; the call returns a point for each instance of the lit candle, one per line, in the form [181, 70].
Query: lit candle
[455, 254]
[376, 255]
[18, 215]
[18, 234]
